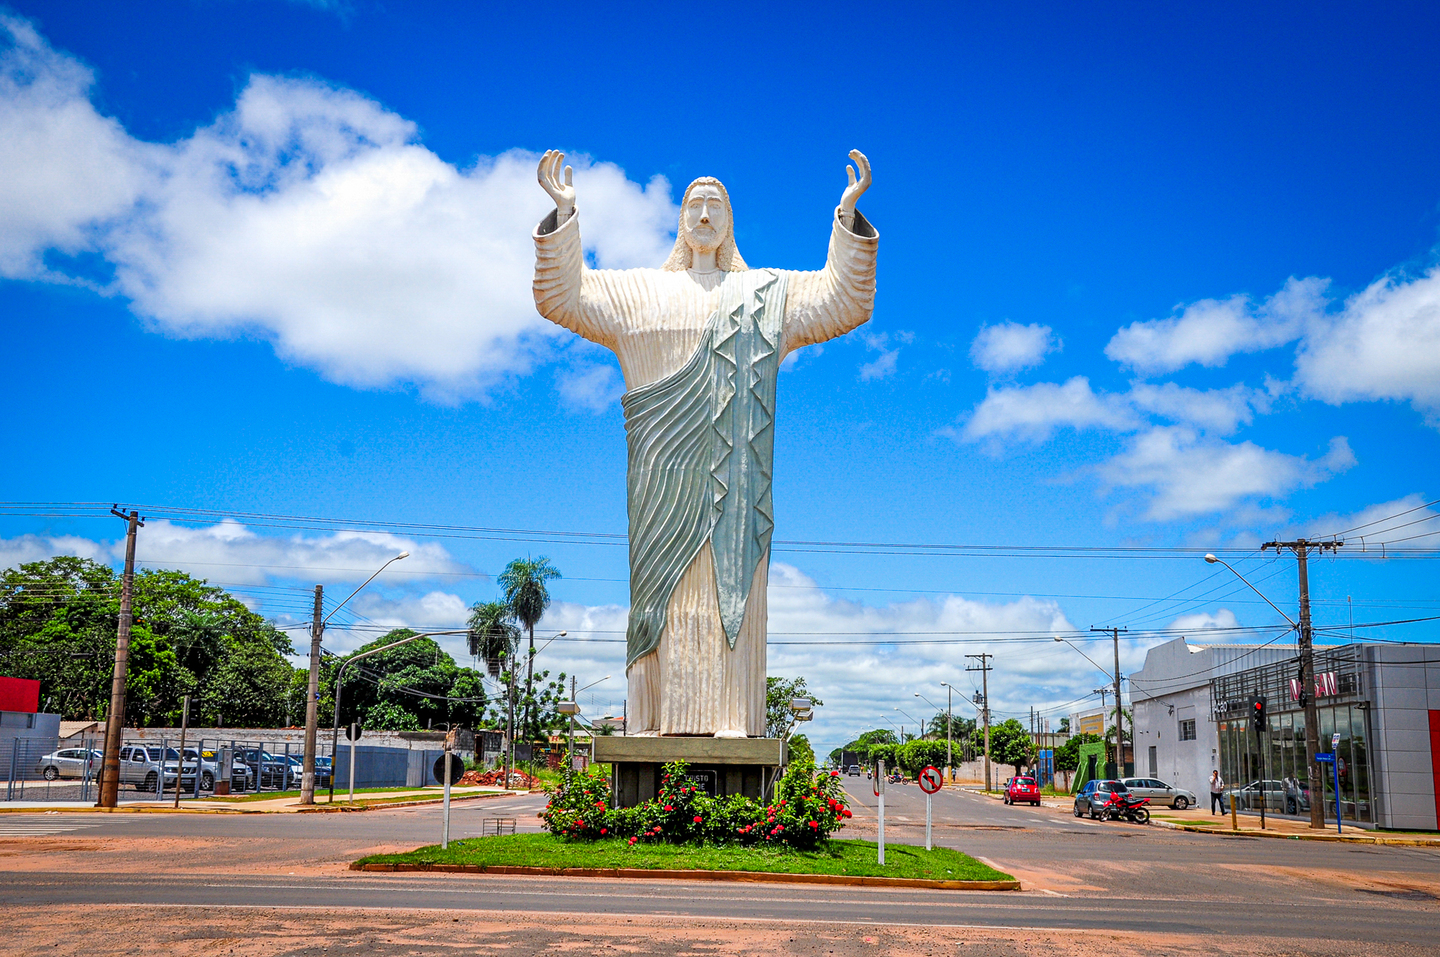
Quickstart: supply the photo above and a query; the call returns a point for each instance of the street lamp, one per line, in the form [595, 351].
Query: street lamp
[339, 682]
[902, 728]
[1119, 707]
[312, 704]
[1312, 711]
[949, 730]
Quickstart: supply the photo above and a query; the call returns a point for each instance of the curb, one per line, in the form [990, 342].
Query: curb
[755, 877]
[127, 810]
[1282, 836]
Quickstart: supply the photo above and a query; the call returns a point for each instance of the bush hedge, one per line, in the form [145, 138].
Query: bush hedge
[807, 808]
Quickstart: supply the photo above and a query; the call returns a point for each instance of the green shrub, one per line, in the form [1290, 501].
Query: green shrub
[915, 756]
[807, 809]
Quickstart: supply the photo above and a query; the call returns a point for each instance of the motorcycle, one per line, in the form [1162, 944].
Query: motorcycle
[1130, 808]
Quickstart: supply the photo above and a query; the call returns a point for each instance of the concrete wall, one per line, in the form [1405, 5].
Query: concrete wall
[275, 739]
[1185, 764]
[1406, 688]
[38, 732]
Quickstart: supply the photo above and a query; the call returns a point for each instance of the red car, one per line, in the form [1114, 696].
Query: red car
[1018, 790]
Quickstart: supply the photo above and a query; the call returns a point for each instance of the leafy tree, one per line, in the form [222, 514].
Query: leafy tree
[1011, 744]
[389, 716]
[916, 755]
[493, 635]
[778, 692]
[800, 749]
[864, 744]
[418, 678]
[1064, 725]
[527, 596]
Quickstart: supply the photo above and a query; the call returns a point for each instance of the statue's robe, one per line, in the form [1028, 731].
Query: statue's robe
[700, 353]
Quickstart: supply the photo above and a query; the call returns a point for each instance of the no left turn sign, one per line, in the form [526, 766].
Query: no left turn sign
[930, 780]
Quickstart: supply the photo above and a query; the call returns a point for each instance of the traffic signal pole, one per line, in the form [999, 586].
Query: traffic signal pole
[1301, 547]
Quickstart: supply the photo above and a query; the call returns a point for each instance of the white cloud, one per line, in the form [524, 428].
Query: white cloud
[591, 386]
[1384, 344]
[309, 216]
[1210, 331]
[37, 548]
[1191, 475]
[1206, 621]
[1383, 522]
[885, 363]
[1218, 411]
[1010, 347]
[1034, 412]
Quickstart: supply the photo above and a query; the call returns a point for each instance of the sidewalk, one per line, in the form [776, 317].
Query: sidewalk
[287, 804]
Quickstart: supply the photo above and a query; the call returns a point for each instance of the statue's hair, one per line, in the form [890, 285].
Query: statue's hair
[727, 257]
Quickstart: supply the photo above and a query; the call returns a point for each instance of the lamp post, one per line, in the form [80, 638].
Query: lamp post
[339, 682]
[572, 708]
[312, 703]
[1115, 678]
[949, 729]
[1307, 693]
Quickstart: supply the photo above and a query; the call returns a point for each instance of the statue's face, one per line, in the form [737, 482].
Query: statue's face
[706, 218]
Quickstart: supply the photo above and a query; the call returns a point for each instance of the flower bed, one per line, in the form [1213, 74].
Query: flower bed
[807, 808]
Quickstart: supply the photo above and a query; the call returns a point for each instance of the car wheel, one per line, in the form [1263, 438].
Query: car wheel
[1181, 803]
[1036, 803]
[51, 773]
[207, 781]
[149, 783]
[1093, 815]
[1077, 810]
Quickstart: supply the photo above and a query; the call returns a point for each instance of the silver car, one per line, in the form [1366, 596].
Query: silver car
[1161, 793]
[68, 763]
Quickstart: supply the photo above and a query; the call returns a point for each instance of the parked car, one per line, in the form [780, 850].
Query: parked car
[1022, 789]
[271, 770]
[241, 777]
[1095, 795]
[142, 766]
[1248, 798]
[297, 772]
[853, 771]
[69, 763]
[1161, 793]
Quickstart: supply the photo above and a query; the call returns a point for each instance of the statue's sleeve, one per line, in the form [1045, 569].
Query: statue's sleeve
[566, 292]
[829, 303]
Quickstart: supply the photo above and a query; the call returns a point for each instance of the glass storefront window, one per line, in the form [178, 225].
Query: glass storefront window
[1360, 764]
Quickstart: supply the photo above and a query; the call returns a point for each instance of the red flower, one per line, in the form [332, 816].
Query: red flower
[697, 820]
[633, 840]
[847, 812]
[669, 808]
[600, 805]
[602, 830]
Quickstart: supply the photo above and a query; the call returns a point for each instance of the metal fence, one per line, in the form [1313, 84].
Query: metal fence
[43, 770]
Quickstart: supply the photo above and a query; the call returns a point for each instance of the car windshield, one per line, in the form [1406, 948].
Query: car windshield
[1025, 782]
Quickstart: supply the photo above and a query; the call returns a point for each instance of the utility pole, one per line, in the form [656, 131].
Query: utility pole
[1119, 704]
[1301, 547]
[115, 720]
[984, 669]
[312, 703]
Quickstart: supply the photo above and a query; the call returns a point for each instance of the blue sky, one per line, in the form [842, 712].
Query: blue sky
[1147, 278]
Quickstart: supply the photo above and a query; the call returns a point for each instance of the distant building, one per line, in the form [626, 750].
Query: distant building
[1382, 701]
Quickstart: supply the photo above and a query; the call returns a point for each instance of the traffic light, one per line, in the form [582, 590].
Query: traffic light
[1257, 714]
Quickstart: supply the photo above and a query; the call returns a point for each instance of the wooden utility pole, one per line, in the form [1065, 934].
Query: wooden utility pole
[984, 669]
[312, 703]
[115, 719]
[1119, 705]
[1301, 547]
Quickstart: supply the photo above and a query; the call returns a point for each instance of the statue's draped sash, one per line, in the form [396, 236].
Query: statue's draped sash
[702, 450]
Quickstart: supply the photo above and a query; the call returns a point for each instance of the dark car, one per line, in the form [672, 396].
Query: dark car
[297, 771]
[271, 770]
[1095, 795]
[1022, 790]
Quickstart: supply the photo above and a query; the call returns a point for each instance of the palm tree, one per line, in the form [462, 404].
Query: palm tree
[523, 581]
[492, 634]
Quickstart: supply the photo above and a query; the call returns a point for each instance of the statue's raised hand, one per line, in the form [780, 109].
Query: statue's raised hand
[857, 186]
[563, 193]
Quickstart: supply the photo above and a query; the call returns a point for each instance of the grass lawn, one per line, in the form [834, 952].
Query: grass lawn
[855, 858]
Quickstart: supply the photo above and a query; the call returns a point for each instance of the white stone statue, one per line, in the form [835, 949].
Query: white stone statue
[700, 342]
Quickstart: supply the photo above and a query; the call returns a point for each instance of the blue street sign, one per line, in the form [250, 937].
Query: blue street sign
[1325, 758]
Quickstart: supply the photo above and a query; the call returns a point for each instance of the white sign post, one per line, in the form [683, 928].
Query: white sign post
[930, 782]
[880, 793]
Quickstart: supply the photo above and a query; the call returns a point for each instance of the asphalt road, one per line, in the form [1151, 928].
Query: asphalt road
[1078, 874]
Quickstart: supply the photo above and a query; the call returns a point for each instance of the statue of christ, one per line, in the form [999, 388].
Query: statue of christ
[700, 341]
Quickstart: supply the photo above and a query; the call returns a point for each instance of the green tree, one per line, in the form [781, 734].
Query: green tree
[492, 635]
[778, 693]
[914, 756]
[418, 678]
[527, 596]
[868, 740]
[800, 749]
[1011, 744]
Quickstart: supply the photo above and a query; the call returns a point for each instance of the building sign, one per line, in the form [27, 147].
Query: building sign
[1092, 724]
[1327, 684]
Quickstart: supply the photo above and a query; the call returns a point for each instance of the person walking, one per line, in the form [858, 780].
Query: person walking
[1217, 790]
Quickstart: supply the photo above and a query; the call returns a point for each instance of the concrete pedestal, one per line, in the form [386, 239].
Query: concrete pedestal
[722, 766]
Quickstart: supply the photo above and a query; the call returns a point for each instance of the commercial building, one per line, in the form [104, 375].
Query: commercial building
[1379, 703]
